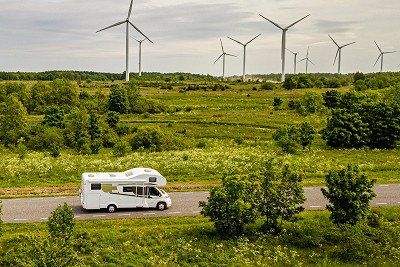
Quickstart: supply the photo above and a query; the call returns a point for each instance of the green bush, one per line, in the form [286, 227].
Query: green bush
[306, 134]
[311, 103]
[277, 103]
[282, 195]
[118, 100]
[13, 121]
[54, 117]
[121, 149]
[268, 86]
[112, 119]
[287, 139]
[148, 139]
[349, 193]
[232, 206]
[61, 223]
[332, 99]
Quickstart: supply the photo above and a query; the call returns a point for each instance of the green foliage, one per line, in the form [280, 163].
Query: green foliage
[268, 86]
[310, 103]
[94, 127]
[302, 81]
[331, 99]
[121, 149]
[282, 195]
[61, 223]
[13, 121]
[277, 103]
[42, 138]
[21, 150]
[54, 117]
[349, 193]
[232, 206]
[286, 138]
[118, 100]
[147, 139]
[112, 118]
[54, 150]
[346, 130]
[306, 134]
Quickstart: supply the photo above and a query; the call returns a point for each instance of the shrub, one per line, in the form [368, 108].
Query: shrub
[346, 130]
[61, 223]
[282, 195]
[121, 149]
[277, 103]
[147, 139]
[287, 139]
[306, 134]
[42, 138]
[232, 206]
[118, 100]
[112, 119]
[331, 99]
[268, 86]
[239, 140]
[76, 130]
[54, 117]
[13, 121]
[55, 150]
[21, 150]
[201, 144]
[312, 103]
[349, 193]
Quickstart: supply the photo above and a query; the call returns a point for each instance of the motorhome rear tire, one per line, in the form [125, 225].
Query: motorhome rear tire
[111, 208]
[161, 206]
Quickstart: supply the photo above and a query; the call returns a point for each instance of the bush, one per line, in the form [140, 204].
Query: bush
[349, 193]
[268, 86]
[312, 102]
[21, 150]
[112, 118]
[55, 150]
[118, 100]
[147, 139]
[282, 195]
[306, 134]
[232, 206]
[61, 223]
[54, 117]
[287, 139]
[277, 103]
[201, 144]
[346, 130]
[121, 149]
[332, 99]
[13, 121]
[42, 138]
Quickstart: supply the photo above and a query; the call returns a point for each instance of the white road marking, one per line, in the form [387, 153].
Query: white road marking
[381, 203]
[20, 220]
[315, 207]
[126, 214]
[175, 212]
[149, 213]
[99, 215]
[77, 216]
[384, 185]
[195, 212]
[43, 218]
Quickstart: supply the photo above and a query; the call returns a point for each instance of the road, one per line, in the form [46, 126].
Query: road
[27, 210]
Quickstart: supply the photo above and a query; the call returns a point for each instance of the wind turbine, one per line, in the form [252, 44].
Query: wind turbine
[127, 22]
[339, 52]
[223, 55]
[244, 52]
[284, 31]
[307, 59]
[381, 55]
[140, 55]
[295, 60]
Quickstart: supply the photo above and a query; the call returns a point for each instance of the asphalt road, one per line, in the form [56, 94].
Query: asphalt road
[26, 210]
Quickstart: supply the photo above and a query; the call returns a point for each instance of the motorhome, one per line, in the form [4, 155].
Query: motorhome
[136, 188]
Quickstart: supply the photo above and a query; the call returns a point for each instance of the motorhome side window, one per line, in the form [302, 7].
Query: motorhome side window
[95, 186]
[153, 179]
[127, 189]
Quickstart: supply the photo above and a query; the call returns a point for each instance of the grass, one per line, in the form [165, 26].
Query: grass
[216, 119]
[191, 241]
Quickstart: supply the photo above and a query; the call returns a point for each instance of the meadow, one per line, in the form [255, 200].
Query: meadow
[313, 240]
[225, 131]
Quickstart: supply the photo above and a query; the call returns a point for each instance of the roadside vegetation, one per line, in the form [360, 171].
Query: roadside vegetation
[192, 128]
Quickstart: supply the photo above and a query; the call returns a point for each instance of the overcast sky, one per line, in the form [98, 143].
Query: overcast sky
[38, 35]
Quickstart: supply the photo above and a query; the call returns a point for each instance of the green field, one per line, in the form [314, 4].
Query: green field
[313, 240]
[214, 118]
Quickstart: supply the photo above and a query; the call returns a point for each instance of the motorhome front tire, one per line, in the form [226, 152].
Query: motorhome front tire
[111, 208]
[161, 206]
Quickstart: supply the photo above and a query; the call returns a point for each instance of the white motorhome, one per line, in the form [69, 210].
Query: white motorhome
[136, 188]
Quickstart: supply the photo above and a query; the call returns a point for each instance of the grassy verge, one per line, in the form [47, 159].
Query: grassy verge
[313, 240]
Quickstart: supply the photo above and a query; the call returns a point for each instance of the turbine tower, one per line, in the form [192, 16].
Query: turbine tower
[244, 52]
[307, 59]
[284, 31]
[127, 22]
[295, 60]
[223, 55]
[339, 52]
[381, 56]
[140, 55]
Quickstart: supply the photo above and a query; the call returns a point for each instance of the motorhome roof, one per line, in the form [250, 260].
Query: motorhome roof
[134, 175]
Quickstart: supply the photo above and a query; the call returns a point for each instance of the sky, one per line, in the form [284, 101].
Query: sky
[39, 35]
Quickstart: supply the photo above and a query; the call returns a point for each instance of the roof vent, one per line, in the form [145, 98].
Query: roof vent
[129, 174]
[112, 175]
[147, 170]
[91, 175]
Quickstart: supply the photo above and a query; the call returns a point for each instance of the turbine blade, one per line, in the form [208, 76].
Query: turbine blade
[235, 40]
[253, 39]
[136, 28]
[333, 40]
[348, 44]
[222, 46]
[378, 47]
[130, 9]
[301, 60]
[337, 53]
[377, 59]
[391, 52]
[290, 51]
[230, 55]
[111, 26]
[276, 24]
[294, 23]
[308, 50]
[310, 61]
[218, 58]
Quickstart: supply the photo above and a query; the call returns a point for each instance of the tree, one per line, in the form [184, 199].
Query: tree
[61, 223]
[76, 131]
[331, 99]
[346, 130]
[287, 139]
[94, 127]
[232, 206]
[306, 134]
[282, 194]
[65, 93]
[349, 193]
[118, 100]
[13, 121]
[54, 117]
[277, 103]
[112, 119]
